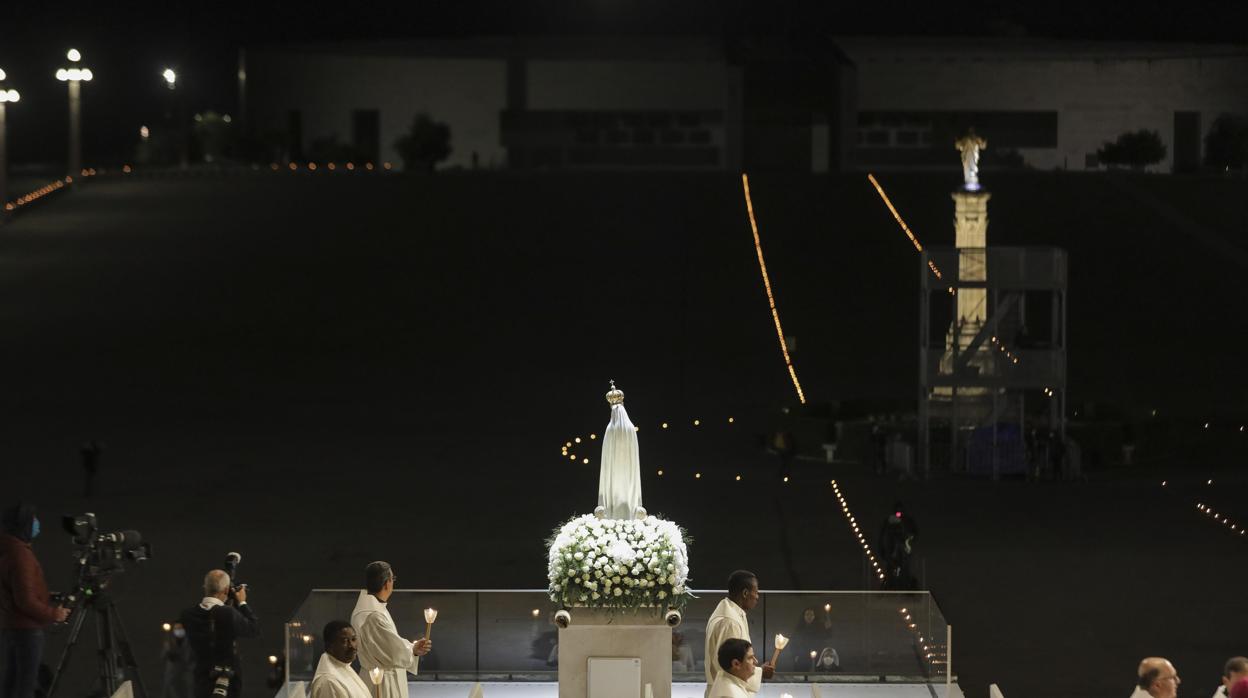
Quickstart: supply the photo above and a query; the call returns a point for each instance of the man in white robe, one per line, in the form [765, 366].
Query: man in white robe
[380, 642]
[1235, 669]
[1157, 679]
[736, 660]
[729, 621]
[334, 676]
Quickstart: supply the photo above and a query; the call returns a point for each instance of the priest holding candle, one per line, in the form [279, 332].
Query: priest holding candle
[380, 645]
[729, 621]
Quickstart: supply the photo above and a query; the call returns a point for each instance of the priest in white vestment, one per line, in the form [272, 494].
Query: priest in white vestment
[334, 676]
[380, 642]
[1157, 679]
[1236, 668]
[738, 667]
[729, 621]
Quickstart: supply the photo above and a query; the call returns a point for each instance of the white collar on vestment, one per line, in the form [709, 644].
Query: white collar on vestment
[730, 608]
[329, 664]
[209, 601]
[368, 602]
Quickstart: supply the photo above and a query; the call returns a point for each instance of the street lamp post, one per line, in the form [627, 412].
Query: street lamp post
[5, 96]
[74, 76]
[171, 81]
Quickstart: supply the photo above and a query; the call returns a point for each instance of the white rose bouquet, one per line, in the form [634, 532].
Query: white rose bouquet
[610, 563]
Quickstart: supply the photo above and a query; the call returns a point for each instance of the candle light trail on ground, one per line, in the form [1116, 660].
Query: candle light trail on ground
[857, 530]
[918, 246]
[771, 299]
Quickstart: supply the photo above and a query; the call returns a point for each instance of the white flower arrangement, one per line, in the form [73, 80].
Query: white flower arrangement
[610, 563]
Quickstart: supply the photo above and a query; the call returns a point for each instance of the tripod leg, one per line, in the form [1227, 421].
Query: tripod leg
[125, 656]
[107, 657]
[74, 629]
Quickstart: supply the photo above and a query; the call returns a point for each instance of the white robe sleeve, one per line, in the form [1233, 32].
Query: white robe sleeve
[718, 630]
[381, 641]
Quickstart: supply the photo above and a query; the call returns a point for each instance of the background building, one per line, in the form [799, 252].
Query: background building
[1042, 104]
[697, 103]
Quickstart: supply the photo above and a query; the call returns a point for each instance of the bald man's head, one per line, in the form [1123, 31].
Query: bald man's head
[1148, 663]
[1159, 677]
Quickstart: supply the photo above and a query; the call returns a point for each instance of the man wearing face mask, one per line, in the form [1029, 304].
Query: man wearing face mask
[179, 662]
[25, 605]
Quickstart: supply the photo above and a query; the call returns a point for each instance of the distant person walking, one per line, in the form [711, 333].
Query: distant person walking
[785, 447]
[897, 536]
[90, 455]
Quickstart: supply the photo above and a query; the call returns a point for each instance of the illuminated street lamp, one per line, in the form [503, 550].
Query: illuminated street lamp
[5, 96]
[175, 117]
[75, 76]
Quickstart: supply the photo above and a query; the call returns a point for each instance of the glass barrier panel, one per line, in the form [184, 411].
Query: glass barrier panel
[510, 635]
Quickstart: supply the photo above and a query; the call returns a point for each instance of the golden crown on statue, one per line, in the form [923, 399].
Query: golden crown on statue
[615, 396]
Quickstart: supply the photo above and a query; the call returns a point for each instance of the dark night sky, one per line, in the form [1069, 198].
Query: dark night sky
[128, 44]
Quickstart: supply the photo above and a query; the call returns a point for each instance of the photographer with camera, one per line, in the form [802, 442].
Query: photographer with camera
[25, 604]
[214, 628]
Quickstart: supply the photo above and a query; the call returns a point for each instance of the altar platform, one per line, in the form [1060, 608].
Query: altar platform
[848, 644]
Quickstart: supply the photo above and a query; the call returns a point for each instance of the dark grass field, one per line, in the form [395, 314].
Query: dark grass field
[321, 371]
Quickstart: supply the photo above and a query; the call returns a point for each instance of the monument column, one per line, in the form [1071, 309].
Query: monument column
[970, 223]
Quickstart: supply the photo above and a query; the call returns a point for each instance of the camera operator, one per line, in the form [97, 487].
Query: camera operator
[25, 605]
[213, 629]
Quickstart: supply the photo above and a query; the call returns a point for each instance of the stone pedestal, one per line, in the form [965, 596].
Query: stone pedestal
[597, 633]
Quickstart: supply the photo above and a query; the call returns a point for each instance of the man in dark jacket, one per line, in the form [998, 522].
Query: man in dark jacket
[214, 628]
[25, 605]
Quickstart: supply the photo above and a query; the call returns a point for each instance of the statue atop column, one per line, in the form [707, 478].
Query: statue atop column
[970, 145]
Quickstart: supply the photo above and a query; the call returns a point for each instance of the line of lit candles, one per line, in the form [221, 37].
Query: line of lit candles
[49, 188]
[853, 524]
[568, 447]
[1220, 518]
[1010, 355]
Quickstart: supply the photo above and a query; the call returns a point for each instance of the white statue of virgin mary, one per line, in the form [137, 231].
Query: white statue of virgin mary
[619, 480]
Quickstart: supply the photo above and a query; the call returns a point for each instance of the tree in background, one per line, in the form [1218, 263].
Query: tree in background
[212, 134]
[426, 144]
[1226, 146]
[1135, 149]
[329, 149]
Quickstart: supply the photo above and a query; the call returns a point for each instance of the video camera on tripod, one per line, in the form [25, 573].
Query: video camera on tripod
[99, 556]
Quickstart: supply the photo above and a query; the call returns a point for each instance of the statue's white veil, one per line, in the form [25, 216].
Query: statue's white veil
[619, 480]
